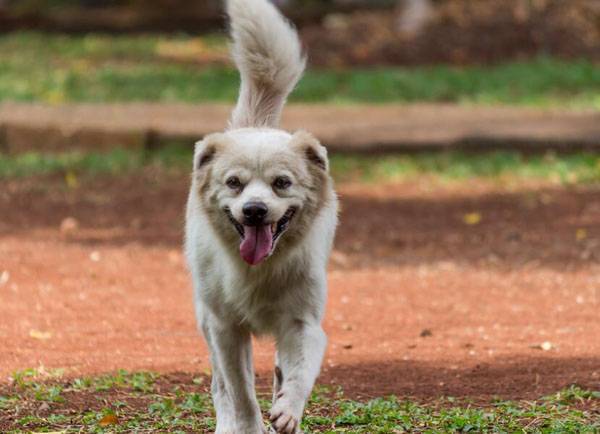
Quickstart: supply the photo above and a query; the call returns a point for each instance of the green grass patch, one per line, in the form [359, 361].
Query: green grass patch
[148, 402]
[461, 166]
[101, 68]
[583, 167]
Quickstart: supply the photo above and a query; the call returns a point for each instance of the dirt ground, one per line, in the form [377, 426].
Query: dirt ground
[422, 303]
[460, 32]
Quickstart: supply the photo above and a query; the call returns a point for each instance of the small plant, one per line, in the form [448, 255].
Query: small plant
[147, 402]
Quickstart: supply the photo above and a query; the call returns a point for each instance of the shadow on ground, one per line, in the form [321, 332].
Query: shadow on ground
[553, 227]
[506, 378]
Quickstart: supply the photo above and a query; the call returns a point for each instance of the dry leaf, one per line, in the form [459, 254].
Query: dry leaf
[42, 336]
[109, 419]
[4, 278]
[44, 407]
[580, 234]
[71, 179]
[472, 218]
[95, 256]
[55, 97]
[68, 225]
[544, 346]
[426, 333]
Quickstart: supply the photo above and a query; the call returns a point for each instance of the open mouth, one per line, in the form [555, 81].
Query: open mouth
[258, 241]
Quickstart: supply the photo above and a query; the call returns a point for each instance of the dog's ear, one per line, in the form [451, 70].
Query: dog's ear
[311, 149]
[206, 150]
[204, 153]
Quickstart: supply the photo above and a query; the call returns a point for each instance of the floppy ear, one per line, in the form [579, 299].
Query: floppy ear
[311, 149]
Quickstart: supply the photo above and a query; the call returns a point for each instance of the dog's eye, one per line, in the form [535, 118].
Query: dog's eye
[234, 183]
[282, 182]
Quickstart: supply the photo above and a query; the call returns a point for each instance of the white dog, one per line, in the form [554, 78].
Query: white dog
[261, 217]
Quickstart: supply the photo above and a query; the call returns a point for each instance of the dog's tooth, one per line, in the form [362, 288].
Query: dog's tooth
[273, 227]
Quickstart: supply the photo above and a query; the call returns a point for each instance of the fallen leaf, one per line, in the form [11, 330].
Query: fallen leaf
[95, 256]
[36, 334]
[174, 256]
[4, 278]
[71, 180]
[55, 97]
[471, 219]
[339, 258]
[544, 346]
[43, 408]
[109, 419]
[580, 234]
[69, 225]
[426, 333]
[546, 198]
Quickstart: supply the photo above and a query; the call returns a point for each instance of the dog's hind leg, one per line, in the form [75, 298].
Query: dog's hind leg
[300, 350]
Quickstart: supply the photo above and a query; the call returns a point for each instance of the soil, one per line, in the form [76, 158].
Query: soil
[460, 32]
[421, 303]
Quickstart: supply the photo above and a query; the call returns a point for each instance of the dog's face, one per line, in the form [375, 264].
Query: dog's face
[261, 188]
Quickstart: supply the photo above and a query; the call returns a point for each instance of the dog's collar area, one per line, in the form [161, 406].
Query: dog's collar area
[279, 228]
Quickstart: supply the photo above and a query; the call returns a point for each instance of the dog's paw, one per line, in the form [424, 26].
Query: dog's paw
[284, 423]
[285, 414]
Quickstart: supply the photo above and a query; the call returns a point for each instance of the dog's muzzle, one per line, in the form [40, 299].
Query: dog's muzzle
[258, 238]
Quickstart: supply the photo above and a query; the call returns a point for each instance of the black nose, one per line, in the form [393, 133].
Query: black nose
[254, 213]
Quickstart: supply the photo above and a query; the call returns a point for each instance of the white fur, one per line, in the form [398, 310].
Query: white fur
[285, 295]
[267, 52]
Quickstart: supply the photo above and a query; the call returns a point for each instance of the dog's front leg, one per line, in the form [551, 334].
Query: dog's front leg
[300, 350]
[231, 356]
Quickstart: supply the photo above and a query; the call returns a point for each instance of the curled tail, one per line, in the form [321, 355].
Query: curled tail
[267, 52]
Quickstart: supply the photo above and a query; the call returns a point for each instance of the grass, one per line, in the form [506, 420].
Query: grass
[148, 402]
[444, 166]
[100, 68]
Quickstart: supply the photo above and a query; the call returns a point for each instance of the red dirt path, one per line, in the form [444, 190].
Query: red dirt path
[421, 303]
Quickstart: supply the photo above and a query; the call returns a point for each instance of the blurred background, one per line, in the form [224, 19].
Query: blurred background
[464, 139]
[534, 52]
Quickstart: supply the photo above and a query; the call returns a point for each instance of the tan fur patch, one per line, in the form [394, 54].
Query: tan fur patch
[319, 185]
[213, 144]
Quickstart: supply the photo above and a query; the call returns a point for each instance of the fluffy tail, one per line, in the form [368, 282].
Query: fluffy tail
[267, 52]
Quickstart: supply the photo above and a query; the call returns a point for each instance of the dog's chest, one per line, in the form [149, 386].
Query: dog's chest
[261, 300]
[258, 306]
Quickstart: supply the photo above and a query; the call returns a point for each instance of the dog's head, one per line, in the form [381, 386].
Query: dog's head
[261, 188]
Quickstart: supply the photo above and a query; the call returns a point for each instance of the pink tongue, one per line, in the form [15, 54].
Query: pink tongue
[257, 243]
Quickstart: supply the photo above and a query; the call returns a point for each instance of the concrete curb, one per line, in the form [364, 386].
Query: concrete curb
[357, 129]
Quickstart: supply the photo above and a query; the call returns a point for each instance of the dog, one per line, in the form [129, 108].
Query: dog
[260, 223]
